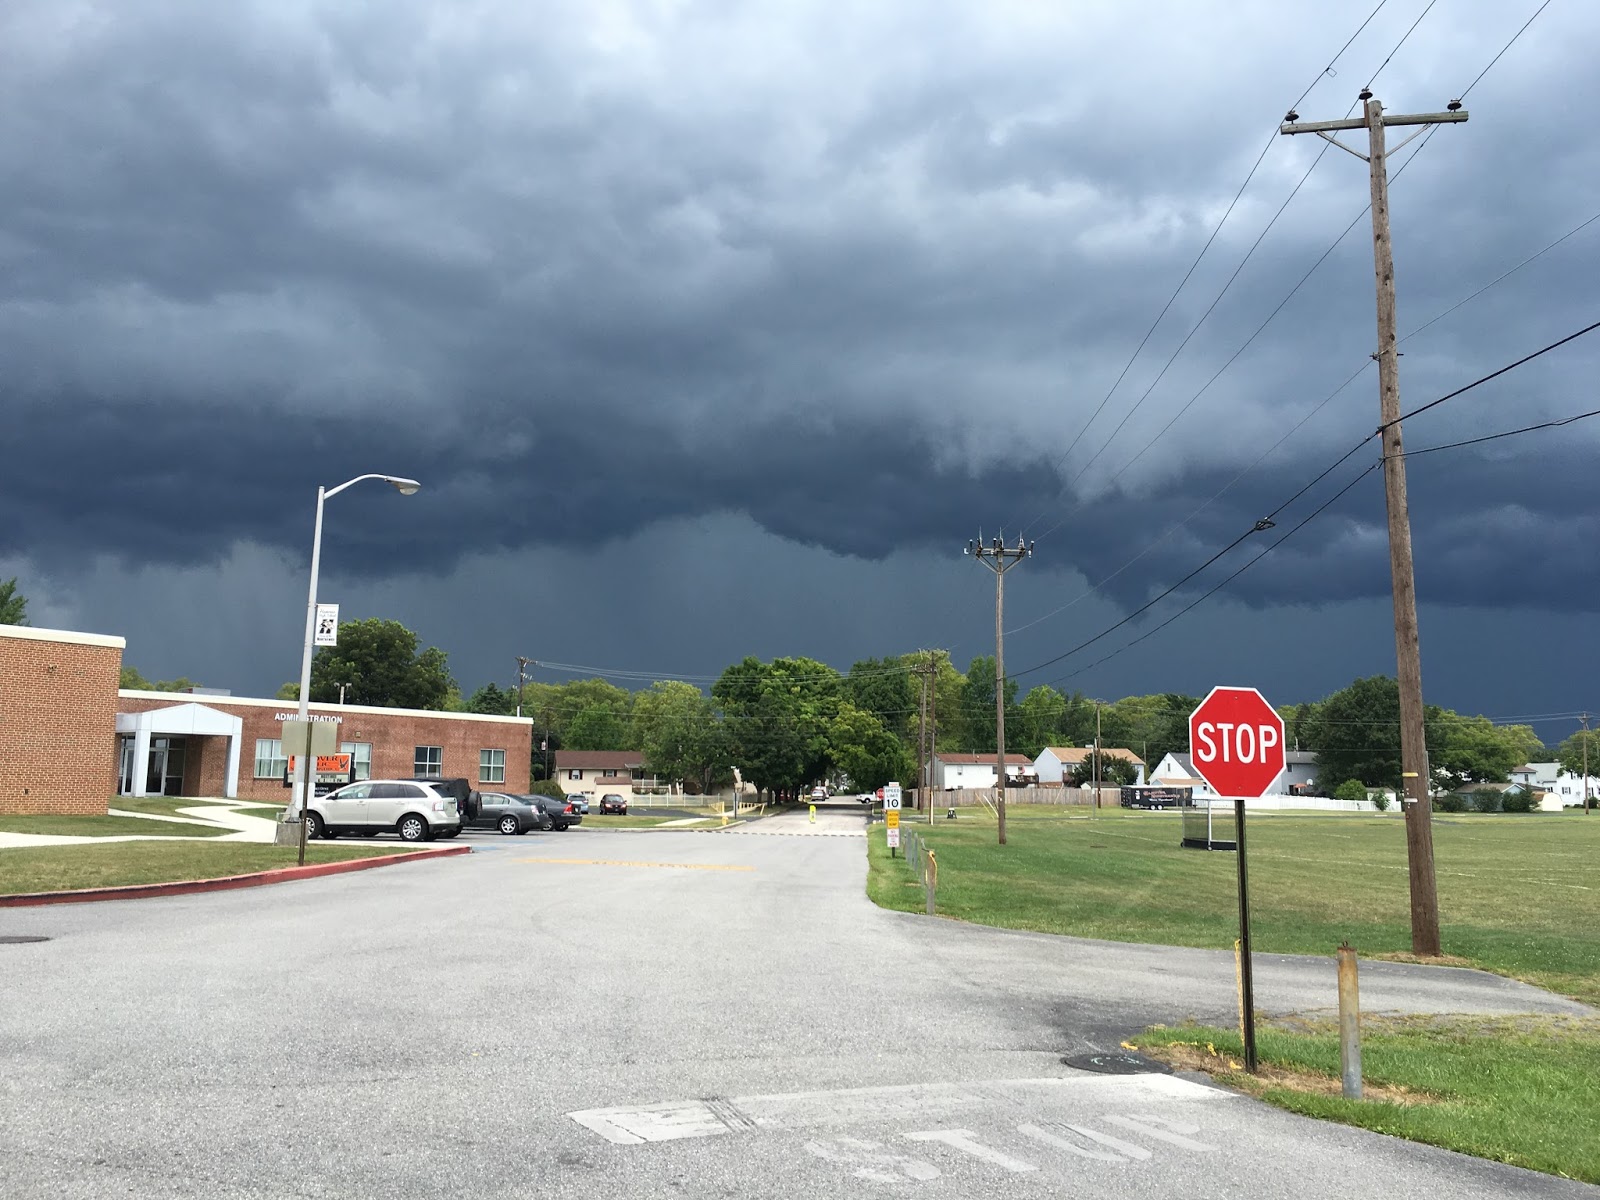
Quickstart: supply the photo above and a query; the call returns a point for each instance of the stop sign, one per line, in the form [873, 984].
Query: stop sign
[1236, 741]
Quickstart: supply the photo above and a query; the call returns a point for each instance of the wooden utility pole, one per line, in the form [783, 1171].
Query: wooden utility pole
[922, 744]
[999, 559]
[522, 671]
[933, 724]
[1585, 740]
[1408, 654]
[1097, 754]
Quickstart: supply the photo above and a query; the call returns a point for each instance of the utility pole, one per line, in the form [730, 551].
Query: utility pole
[999, 559]
[922, 744]
[522, 670]
[1097, 754]
[1413, 737]
[933, 729]
[1586, 764]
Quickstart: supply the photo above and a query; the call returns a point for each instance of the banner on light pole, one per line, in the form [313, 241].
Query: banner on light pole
[327, 631]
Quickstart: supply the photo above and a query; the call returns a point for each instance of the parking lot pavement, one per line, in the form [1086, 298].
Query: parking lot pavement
[528, 1022]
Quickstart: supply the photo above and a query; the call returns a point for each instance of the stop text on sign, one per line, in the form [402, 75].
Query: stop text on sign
[1225, 741]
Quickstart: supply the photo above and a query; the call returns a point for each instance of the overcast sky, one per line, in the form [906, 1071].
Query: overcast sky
[715, 328]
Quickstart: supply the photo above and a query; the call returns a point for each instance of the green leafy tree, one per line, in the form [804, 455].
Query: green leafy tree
[289, 691]
[1114, 769]
[134, 681]
[778, 716]
[1356, 733]
[1465, 749]
[1150, 726]
[1351, 789]
[492, 701]
[681, 735]
[978, 706]
[1039, 720]
[1570, 752]
[886, 688]
[13, 604]
[381, 658]
[598, 728]
[866, 752]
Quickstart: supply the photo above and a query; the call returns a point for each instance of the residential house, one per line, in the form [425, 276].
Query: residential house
[1055, 763]
[596, 772]
[977, 770]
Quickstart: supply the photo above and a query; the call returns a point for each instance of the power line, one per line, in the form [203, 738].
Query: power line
[1187, 275]
[1400, 43]
[1507, 46]
[1492, 375]
[1494, 437]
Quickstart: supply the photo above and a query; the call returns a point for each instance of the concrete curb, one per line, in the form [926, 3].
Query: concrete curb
[141, 891]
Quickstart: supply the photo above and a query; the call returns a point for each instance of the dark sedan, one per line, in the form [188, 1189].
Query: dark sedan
[509, 814]
[613, 803]
[561, 813]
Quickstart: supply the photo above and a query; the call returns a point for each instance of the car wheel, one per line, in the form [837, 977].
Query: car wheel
[314, 827]
[412, 828]
[510, 825]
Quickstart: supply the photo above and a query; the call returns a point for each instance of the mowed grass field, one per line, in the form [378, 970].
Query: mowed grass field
[1519, 894]
[122, 864]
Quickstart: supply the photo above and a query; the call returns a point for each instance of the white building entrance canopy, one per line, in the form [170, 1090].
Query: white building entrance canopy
[181, 720]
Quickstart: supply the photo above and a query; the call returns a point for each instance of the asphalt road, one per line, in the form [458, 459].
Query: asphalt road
[606, 1013]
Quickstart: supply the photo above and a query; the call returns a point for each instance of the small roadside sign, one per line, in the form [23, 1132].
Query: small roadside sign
[891, 796]
[894, 837]
[891, 818]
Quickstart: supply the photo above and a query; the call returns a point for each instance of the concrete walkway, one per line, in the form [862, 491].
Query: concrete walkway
[223, 815]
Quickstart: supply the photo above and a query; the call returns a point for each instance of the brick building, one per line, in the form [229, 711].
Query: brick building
[58, 693]
[70, 740]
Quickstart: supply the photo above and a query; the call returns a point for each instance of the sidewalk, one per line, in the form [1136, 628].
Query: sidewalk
[213, 814]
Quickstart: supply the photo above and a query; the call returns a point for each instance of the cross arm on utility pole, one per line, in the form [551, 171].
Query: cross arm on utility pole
[1437, 118]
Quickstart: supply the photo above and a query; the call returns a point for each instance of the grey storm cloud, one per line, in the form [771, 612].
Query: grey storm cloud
[861, 278]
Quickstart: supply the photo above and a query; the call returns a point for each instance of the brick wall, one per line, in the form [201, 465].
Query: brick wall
[394, 734]
[58, 705]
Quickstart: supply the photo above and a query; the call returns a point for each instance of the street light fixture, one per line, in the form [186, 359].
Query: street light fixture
[406, 487]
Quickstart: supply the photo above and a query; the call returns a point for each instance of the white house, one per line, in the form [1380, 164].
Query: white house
[977, 770]
[1056, 762]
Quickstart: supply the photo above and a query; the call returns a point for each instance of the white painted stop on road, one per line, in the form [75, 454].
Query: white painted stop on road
[1236, 741]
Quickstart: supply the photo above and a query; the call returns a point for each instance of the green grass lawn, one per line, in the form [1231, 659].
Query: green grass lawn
[158, 806]
[634, 820]
[119, 864]
[1518, 893]
[108, 826]
[1518, 1090]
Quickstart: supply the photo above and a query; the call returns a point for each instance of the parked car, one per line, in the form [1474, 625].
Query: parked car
[466, 796]
[818, 794]
[417, 810]
[613, 803]
[562, 813]
[867, 798]
[508, 813]
[580, 801]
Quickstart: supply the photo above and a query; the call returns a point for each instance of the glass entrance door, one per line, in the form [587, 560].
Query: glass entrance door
[164, 777]
[125, 770]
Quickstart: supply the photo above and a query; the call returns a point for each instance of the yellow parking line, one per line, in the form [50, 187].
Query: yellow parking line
[619, 862]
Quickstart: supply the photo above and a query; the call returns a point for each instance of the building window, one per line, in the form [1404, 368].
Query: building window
[491, 766]
[608, 774]
[271, 762]
[575, 774]
[361, 757]
[429, 760]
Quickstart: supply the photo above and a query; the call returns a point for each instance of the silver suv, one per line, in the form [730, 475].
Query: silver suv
[417, 810]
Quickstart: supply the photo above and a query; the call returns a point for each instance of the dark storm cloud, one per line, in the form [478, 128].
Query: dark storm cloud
[587, 269]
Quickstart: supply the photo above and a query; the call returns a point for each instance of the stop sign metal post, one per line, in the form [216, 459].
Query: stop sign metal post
[1236, 745]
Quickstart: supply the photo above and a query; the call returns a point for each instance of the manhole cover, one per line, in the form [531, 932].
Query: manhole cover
[1119, 1063]
[15, 939]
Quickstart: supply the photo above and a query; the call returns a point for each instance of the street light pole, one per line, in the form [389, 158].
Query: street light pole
[406, 487]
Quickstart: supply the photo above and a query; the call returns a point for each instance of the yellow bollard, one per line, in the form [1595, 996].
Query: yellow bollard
[813, 817]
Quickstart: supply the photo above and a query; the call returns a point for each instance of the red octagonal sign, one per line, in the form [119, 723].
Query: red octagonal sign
[1236, 741]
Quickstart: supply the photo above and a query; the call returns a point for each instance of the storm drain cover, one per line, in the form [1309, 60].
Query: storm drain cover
[1120, 1063]
[16, 939]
